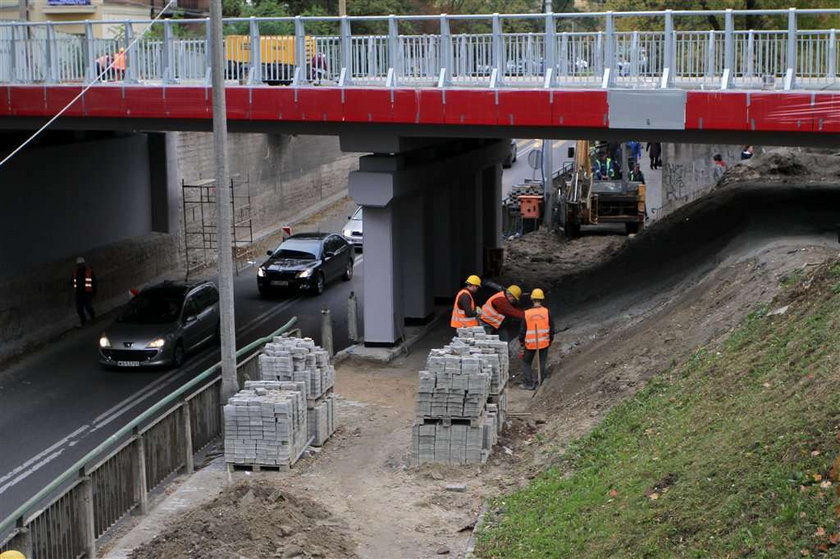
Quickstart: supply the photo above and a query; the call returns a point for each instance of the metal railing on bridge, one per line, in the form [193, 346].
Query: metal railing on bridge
[514, 51]
[68, 516]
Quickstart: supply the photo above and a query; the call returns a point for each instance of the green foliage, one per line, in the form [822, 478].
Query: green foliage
[727, 455]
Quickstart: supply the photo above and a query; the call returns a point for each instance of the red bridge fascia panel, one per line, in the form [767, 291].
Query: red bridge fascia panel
[705, 110]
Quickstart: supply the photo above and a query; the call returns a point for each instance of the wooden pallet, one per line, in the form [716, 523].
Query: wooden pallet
[312, 402]
[258, 467]
[449, 421]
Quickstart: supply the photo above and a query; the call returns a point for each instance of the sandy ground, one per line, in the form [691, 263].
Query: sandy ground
[629, 309]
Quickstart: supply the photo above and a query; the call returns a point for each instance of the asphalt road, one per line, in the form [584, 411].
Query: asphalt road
[57, 404]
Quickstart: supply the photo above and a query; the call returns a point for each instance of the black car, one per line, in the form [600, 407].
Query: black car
[306, 261]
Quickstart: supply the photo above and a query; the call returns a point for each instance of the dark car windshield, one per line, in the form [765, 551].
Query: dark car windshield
[152, 309]
[299, 249]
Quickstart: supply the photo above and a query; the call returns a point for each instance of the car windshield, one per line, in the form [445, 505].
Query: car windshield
[299, 249]
[152, 309]
[357, 214]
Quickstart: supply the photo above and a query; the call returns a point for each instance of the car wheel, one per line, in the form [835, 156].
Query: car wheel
[320, 283]
[348, 271]
[178, 355]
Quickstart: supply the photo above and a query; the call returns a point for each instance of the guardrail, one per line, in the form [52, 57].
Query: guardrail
[490, 50]
[68, 516]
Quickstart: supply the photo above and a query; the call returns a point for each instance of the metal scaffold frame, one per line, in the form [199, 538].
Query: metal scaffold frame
[200, 236]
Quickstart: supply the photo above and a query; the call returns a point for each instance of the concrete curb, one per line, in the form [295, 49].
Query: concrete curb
[469, 552]
[388, 354]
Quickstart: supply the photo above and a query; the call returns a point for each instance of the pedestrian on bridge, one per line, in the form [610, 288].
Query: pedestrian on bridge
[464, 311]
[84, 288]
[501, 309]
[536, 335]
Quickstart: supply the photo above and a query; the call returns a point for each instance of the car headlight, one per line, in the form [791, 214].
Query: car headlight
[104, 341]
[260, 272]
[156, 343]
[305, 273]
[348, 233]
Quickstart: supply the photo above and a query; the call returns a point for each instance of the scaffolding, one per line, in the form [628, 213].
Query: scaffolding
[200, 237]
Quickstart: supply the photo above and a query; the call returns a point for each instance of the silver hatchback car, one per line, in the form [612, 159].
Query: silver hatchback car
[353, 231]
[161, 325]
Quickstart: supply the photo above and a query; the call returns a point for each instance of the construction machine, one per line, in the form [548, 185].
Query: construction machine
[277, 56]
[598, 190]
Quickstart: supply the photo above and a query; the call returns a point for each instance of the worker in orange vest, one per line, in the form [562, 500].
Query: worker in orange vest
[119, 64]
[536, 334]
[464, 311]
[501, 306]
[84, 288]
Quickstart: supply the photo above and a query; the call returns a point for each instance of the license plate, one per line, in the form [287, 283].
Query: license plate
[280, 283]
[128, 363]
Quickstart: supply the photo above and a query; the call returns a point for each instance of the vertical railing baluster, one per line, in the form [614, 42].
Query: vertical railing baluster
[634, 55]
[709, 70]
[13, 58]
[790, 76]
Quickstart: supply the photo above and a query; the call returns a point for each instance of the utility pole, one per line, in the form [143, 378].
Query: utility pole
[342, 7]
[224, 211]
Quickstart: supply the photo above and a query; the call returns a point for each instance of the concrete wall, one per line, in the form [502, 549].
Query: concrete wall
[687, 172]
[286, 174]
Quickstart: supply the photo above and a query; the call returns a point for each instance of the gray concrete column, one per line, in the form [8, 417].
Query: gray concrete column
[163, 178]
[382, 278]
[416, 260]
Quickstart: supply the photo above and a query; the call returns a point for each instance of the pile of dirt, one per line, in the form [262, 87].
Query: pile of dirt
[784, 165]
[253, 519]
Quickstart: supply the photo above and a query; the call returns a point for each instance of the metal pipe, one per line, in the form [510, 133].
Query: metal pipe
[326, 331]
[353, 317]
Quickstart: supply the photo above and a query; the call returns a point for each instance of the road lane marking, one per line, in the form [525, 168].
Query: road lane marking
[22, 471]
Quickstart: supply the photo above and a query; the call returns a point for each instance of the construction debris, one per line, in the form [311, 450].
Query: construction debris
[461, 400]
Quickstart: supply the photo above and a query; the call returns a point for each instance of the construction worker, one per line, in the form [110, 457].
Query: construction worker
[603, 167]
[535, 335]
[500, 306]
[636, 174]
[119, 65]
[84, 288]
[464, 312]
[12, 555]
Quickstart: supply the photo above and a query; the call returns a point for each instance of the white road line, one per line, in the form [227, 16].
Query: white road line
[38, 461]
[142, 393]
[30, 471]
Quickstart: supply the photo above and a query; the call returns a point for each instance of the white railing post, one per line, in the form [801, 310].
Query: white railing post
[87, 516]
[208, 51]
[346, 53]
[728, 50]
[255, 69]
[50, 52]
[13, 61]
[668, 66]
[831, 73]
[608, 77]
[141, 495]
[709, 71]
[750, 62]
[790, 76]
[634, 54]
[550, 60]
[91, 70]
[564, 55]
[446, 58]
[186, 425]
[498, 51]
[300, 53]
[394, 50]
[132, 58]
[599, 54]
[167, 66]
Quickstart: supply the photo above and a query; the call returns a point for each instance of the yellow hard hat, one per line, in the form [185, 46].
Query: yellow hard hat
[537, 295]
[474, 280]
[12, 555]
[516, 291]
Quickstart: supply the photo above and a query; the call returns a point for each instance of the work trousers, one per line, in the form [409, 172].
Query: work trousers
[529, 378]
[84, 304]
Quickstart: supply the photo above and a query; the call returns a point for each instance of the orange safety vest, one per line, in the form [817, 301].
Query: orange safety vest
[88, 280]
[119, 61]
[459, 317]
[537, 328]
[489, 314]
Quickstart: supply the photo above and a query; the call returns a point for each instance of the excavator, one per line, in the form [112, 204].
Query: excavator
[589, 197]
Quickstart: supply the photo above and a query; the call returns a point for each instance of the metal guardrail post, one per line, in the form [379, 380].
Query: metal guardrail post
[709, 70]
[255, 67]
[790, 77]
[208, 51]
[346, 77]
[300, 53]
[167, 66]
[353, 317]
[498, 50]
[750, 65]
[131, 56]
[394, 62]
[50, 53]
[634, 54]
[24, 538]
[831, 73]
[326, 331]
[87, 516]
[668, 66]
[186, 425]
[140, 493]
[13, 62]
[728, 50]
[447, 61]
[608, 77]
[564, 54]
[550, 61]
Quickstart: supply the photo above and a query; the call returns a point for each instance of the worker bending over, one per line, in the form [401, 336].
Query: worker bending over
[536, 334]
[464, 313]
[500, 307]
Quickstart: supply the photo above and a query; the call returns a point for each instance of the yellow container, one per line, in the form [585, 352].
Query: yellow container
[274, 49]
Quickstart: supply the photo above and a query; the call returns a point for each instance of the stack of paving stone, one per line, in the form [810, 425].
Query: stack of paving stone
[298, 360]
[321, 414]
[461, 400]
[266, 424]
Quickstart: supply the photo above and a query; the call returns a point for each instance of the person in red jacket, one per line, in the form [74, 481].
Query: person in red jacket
[499, 308]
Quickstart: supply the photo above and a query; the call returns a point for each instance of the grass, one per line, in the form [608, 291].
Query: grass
[726, 455]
